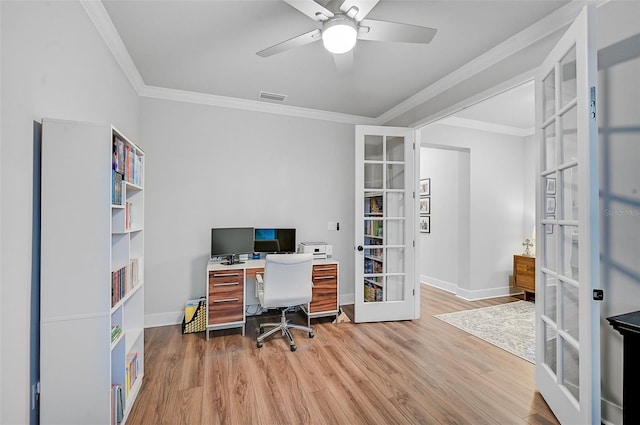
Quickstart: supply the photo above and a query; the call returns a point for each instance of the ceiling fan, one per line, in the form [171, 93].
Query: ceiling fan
[343, 22]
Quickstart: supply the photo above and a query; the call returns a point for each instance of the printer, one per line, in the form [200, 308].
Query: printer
[320, 250]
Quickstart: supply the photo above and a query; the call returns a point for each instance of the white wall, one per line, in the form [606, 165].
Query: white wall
[439, 249]
[496, 205]
[619, 129]
[529, 186]
[54, 64]
[215, 167]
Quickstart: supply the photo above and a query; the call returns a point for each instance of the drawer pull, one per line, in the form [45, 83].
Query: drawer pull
[228, 300]
[323, 277]
[227, 284]
[224, 274]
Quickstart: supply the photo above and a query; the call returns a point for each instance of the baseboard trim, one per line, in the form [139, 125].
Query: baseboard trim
[175, 317]
[483, 294]
[163, 319]
[611, 412]
[440, 284]
[347, 299]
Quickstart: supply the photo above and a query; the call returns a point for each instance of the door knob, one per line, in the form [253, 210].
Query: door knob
[360, 248]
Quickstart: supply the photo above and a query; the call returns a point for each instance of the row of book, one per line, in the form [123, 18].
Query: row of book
[119, 284]
[127, 161]
[373, 228]
[131, 372]
[116, 188]
[373, 205]
[117, 404]
[374, 253]
[123, 280]
[372, 266]
[372, 292]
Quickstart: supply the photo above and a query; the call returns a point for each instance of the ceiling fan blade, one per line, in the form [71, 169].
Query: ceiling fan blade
[392, 31]
[363, 6]
[312, 9]
[301, 40]
[344, 62]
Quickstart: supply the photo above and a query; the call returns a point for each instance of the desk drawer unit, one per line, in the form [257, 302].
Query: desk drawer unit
[325, 289]
[226, 297]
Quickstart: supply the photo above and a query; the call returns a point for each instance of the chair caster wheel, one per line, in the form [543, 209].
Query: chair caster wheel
[261, 330]
[311, 335]
[259, 344]
[293, 348]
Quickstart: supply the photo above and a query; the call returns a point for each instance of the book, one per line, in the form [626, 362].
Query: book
[117, 404]
[134, 279]
[116, 189]
[115, 332]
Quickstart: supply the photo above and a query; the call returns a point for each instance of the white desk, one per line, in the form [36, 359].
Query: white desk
[229, 285]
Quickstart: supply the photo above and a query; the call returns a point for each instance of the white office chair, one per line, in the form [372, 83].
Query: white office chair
[286, 283]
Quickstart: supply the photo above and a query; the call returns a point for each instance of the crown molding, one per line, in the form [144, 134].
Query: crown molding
[100, 18]
[535, 32]
[251, 105]
[487, 126]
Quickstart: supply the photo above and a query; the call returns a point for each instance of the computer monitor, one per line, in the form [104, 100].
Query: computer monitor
[230, 242]
[283, 240]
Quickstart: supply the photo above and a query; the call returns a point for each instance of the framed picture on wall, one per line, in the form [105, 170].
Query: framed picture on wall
[425, 205]
[425, 187]
[425, 224]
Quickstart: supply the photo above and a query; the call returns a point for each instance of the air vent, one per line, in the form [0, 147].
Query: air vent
[275, 97]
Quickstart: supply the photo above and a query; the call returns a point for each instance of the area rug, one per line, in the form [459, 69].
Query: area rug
[509, 326]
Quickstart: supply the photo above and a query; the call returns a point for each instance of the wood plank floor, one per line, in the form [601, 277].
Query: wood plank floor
[413, 372]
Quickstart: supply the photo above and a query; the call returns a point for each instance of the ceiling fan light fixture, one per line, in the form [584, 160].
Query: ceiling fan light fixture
[339, 34]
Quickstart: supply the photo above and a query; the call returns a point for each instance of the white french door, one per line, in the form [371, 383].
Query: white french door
[567, 318]
[386, 281]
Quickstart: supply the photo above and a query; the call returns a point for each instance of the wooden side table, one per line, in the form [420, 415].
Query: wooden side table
[524, 274]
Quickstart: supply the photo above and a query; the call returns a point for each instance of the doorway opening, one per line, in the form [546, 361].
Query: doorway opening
[483, 195]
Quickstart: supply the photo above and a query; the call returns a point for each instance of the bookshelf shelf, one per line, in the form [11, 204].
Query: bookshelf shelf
[118, 340]
[92, 273]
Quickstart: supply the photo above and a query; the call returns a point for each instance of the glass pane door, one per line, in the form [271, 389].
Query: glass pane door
[567, 337]
[384, 196]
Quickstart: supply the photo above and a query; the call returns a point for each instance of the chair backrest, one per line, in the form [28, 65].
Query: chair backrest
[287, 280]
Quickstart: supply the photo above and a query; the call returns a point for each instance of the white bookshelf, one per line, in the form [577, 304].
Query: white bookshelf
[85, 238]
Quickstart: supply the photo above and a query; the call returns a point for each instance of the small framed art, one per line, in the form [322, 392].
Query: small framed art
[425, 205]
[425, 187]
[425, 224]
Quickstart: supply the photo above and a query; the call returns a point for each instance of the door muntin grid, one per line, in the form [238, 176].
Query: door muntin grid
[384, 220]
[560, 237]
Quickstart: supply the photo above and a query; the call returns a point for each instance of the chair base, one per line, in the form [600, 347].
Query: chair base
[285, 327]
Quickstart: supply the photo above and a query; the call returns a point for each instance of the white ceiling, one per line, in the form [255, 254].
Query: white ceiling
[510, 112]
[209, 48]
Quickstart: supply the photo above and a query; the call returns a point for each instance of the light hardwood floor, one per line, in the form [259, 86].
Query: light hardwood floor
[413, 372]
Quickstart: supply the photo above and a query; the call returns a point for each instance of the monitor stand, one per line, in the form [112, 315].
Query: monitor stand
[232, 260]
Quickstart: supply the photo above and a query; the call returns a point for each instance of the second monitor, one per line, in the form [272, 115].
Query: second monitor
[275, 240]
